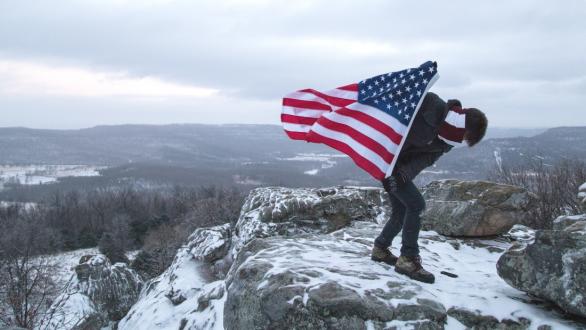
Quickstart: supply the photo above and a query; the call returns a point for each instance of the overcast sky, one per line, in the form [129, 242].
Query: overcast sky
[73, 64]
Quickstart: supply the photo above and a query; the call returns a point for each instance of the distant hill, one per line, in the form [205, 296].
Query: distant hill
[259, 154]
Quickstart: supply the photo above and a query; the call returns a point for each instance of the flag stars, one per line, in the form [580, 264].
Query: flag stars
[430, 69]
[376, 82]
[421, 72]
[403, 81]
[418, 93]
[412, 77]
[369, 86]
[407, 116]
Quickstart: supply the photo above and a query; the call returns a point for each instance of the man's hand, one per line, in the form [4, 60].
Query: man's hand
[392, 183]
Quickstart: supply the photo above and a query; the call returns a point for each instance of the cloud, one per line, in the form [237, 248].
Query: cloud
[516, 58]
[34, 78]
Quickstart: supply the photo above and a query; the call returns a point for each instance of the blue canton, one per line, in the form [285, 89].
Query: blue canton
[398, 93]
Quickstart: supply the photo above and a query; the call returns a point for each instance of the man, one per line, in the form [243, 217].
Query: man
[422, 147]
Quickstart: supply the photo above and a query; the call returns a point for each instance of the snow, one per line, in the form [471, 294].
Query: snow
[498, 158]
[344, 260]
[41, 174]
[311, 172]
[326, 160]
[582, 187]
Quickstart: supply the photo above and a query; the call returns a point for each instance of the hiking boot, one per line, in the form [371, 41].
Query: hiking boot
[411, 266]
[383, 255]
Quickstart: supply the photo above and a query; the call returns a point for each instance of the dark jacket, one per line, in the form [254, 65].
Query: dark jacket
[422, 146]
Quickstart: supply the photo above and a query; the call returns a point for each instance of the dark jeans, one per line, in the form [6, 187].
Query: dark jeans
[407, 205]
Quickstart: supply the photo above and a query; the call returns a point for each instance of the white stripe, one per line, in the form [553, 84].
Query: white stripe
[306, 97]
[382, 116]
[456, 119]
[342, 94]
[296, 127]
[454, 143]
[367, 130]
[350, 142]
[287, 110]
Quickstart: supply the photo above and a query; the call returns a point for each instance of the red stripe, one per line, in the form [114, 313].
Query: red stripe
[372, 122]
[337, 101]
[297, 119]
[296, 135]
[351, 88]
[306, 104]
[452, 133]
[359, 137]
[362, 162]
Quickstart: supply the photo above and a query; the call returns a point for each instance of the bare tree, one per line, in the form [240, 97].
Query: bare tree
[556, 187]
[26, 284]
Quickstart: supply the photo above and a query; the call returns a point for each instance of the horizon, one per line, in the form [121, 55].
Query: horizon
[247, 124]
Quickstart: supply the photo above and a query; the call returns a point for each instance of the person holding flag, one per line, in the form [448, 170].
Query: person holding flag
[392, 127]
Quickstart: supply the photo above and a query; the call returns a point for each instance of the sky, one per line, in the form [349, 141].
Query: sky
[76, 64]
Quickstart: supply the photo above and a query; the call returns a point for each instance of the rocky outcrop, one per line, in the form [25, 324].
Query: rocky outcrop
[299, 259]
[98, 293]
[474, 208]
[285, 211]
[320, 281]
[552, 267]
[187, 295]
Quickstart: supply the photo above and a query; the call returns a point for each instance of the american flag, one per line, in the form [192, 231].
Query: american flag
[367, 121]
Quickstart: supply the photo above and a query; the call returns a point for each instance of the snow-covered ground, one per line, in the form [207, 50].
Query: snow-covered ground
[40, 174]
[326, 160]
[345, 260]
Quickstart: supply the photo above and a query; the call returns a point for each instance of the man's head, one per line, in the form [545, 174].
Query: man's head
[476, 124]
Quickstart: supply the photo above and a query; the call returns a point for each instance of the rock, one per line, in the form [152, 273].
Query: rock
[284, 211]
[521, 234]
[553, 267]
[561, 222]
[475, 320]
[187, 295]
[475, 208]
[318, 281]
[210, 244]
[98, 293]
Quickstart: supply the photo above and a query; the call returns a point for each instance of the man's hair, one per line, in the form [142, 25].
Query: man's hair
[476, 124]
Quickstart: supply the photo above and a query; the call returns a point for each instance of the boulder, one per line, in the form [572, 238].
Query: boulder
[286, 211]
[552, 267]
[561, 222]
[99, 292]
[320, 281]
[475, 208]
